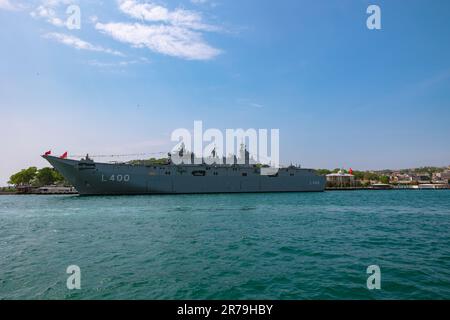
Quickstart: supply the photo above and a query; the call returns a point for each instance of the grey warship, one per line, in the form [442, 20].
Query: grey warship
[95, 178]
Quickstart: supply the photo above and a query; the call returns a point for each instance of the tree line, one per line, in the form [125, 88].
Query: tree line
[37, 177]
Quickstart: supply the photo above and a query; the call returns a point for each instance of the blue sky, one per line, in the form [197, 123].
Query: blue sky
[341, 95]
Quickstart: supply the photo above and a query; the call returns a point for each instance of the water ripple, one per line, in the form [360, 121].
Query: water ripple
[238, 246]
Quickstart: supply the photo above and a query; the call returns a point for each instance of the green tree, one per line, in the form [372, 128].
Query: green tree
[48, 176]
[59, 177]
[371, 176]
[150, 162]
[323, 172]
[33, 176]
[45, 177]
[359, 175]
[384, 179]
[23, 177]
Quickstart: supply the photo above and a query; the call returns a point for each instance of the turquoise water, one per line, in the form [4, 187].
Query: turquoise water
[241, 246]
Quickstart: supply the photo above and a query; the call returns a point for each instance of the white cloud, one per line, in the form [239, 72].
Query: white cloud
[249, 103]
[48, 14]
[79, 44]
[155, 13]
[47, 11]
[93, 19]
[7, 5]
[174, 32]
[124, 63]
[171, 40]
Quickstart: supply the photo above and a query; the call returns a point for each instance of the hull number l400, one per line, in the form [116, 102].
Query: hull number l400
[116, 178]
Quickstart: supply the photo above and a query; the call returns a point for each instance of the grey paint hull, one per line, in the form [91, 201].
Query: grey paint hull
[125, 179]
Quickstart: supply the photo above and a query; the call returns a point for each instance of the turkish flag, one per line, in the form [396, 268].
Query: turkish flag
[350, 171]
[49, 152]
[64, 155]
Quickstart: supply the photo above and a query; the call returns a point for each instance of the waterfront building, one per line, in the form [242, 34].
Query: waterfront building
[24, 188]
[422, 178]
[433, 186]
[56, 190]
[444, 176]
[400, 178]
[341, 179]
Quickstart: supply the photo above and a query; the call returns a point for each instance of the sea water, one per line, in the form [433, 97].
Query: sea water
[227, 246]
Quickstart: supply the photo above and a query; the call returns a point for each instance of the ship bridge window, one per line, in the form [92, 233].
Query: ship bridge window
[86, 166]
[244, 174]
[291, 174]
[199, 173]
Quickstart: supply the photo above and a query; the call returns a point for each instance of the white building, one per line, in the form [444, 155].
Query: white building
[56, 190]
[444, 176]
[341, 179]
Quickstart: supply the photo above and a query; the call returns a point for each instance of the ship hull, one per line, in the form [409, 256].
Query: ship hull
[126, 179]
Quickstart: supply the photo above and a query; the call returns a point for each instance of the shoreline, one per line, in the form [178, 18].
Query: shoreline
[36, 193]
[326, 189]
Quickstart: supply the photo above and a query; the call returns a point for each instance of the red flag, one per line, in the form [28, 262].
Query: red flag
[49, 152]
[64, 155]
[350, 171]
